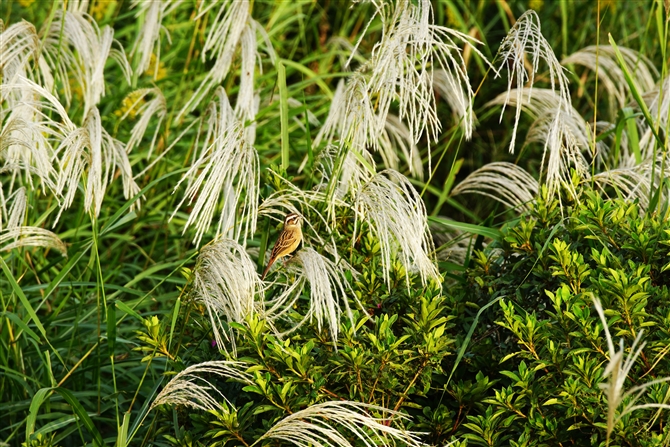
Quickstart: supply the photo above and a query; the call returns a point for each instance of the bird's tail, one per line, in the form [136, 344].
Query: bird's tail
[265, 272]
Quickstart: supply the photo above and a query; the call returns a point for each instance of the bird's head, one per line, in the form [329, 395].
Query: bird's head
[292, 220]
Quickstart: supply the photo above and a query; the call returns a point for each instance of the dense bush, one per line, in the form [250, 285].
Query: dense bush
[544, 346]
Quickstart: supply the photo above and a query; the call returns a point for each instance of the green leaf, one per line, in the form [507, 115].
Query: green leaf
[111, 330]
[468, 228]
[127, 309]
[83, 415]
[20, 323]
[175, 314]
[35, 404]
[24, 301]
[264, 409]
[636, 92]
[283, 115]
[122, 436]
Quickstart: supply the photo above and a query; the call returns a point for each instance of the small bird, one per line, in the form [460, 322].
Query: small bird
[288, 240]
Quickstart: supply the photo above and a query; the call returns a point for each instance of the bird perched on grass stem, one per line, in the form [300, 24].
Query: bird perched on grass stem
[288, 240]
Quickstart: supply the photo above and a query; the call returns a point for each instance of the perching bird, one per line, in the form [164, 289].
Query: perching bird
[288, 240]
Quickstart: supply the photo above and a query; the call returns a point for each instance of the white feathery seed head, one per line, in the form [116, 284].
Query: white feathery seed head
[232, 27]
[458, 97]
[618, 367]
[191, 389]
[395, 213]
[396, 138]
[560, 129]
[402, 64]
[634, 181]
[505, 182]
[17, 211]
[399, 71]
[92, 151]
[320, 425]
[562, 152]
[351, 116]
[246, 107]
[19, 44]
[226, 166]
[25, 236]
[659, 107]
[147, 109]
[225, 282]
[523, 41]
[352, 176]
[93, 47]
[149, 43]
[601, 59]
[25, 140]
[13, 216]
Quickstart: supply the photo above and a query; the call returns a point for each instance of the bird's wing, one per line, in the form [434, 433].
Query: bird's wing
[284, 241]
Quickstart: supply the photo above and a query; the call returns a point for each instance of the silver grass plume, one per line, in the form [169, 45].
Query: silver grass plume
[92, 151]
[560, 129]
[14, 216]
[396, 138]
[19, 44]
[245, 106]
[458, 99]
[318, 424]
[659, 107]
[402, 63]
[26, 236]
[328, 291]
[505, 182]
[630, 183]
[93, 48]
[147, 109]
[225, 282]
[149, 42]
[562, 151]
[352, 176]
[227, 165]
[36, 122]
[352, 116]
[188, 388]
[400, 70]
[601, 59]
[395, 213]
[543, 105]
[617, 370]
[525, 40]
[232, 28]
[88, 149]
[25, 138]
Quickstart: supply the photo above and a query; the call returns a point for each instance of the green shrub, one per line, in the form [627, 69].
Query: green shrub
[545, 348]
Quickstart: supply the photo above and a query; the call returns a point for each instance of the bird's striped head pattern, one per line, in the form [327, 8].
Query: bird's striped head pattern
[292, 219]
